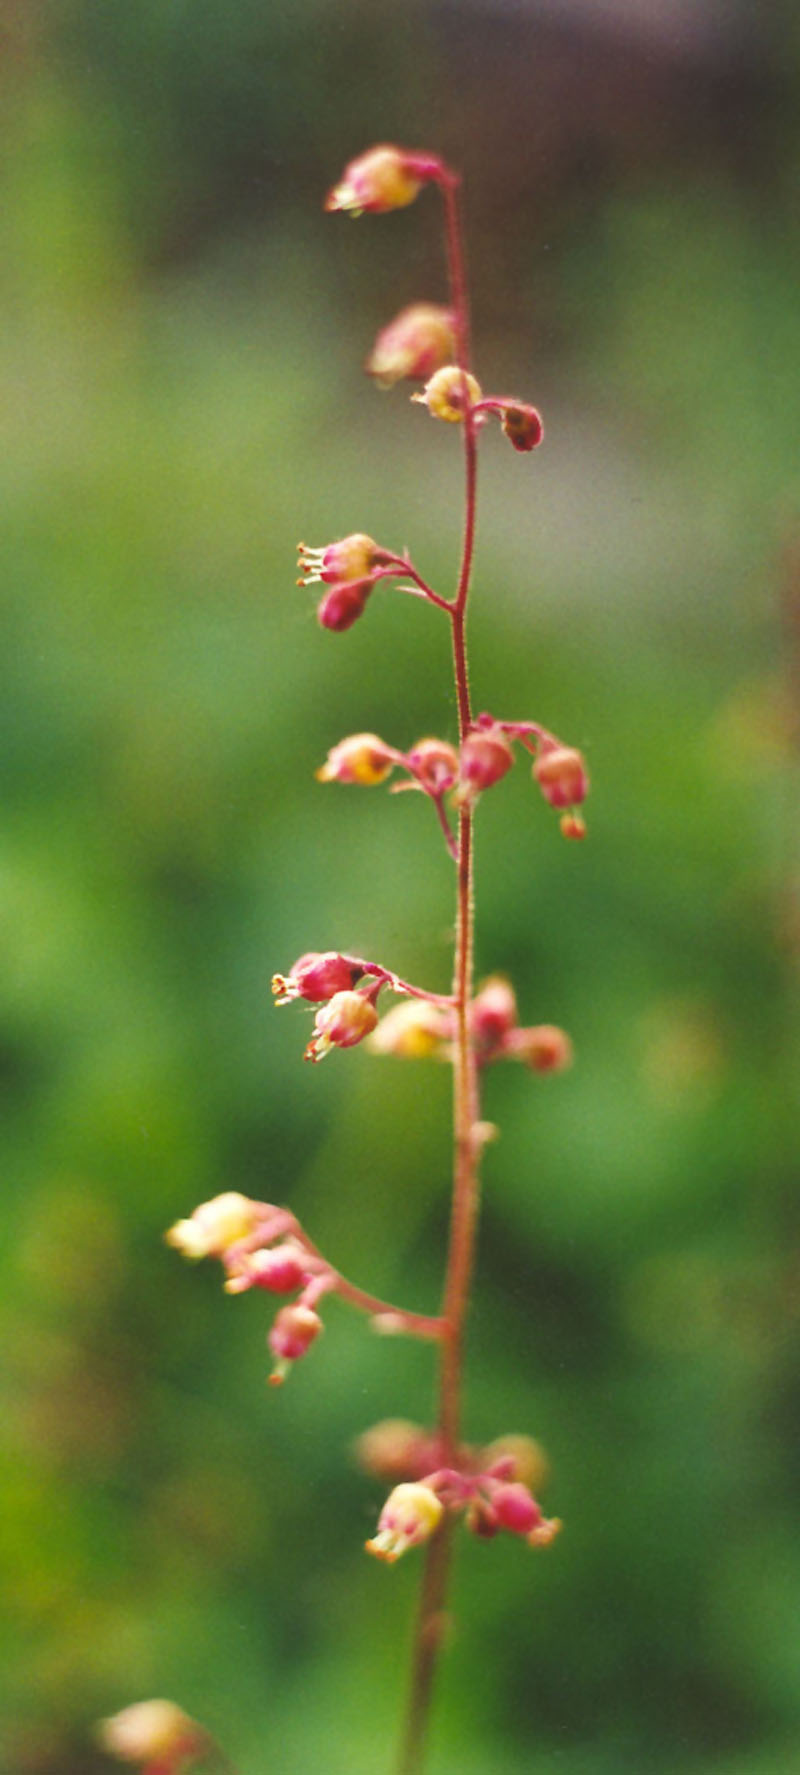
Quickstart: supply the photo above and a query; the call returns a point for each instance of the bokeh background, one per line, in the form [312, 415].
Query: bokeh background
[180, 349]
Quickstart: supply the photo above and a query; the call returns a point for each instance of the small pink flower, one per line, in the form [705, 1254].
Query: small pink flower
[280, 1269]
[485, 757]
[434, 764]
[360, 758]
[215, 1225]
[383, 178]
[515, 1509]
[418, 341]
[342, 1023]
[351, 559]
[411, 1514]
[293, 1332]
[343, 604]
[449, 393]
[561, 774]
[317, 977]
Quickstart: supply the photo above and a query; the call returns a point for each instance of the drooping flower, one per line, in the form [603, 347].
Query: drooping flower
[485, 757]
[352, 558]
[418, 341]
[448, 393]
[561, 774]
[215, 1225]
[383, 178]
[342, 1023]
[411, 1514]
[343, 604]
[292, 1333]
[434, 764]
[316, 977]
[360, 758]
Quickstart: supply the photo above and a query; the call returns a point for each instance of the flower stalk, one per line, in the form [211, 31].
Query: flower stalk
[438, 1477]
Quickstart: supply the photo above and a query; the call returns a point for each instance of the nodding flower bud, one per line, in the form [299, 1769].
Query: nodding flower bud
[434, 764]
[523, 425]
[344, 604]
[280, 1269]
[293, 1331]
[485, 757]
[317, 977]
[339, 563]
[561, 774]
[360, 758]
[544, 1048]
[384, 178]
[395, 1449]
[157, 1735]
[341, 1024]
[493, 1012]
[412, 1031]
[418, 341]
[411, 1514]
[214, 1226]
[448, 392]
[515, 1509]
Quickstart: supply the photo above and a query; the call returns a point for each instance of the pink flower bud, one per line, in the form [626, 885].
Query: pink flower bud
[411, 1514]
[157, 1735]
[384, 178]
[545, 1048]
[339, 562]
[343, 605]
[280, 1269]
[341, 1024]
[485, 757]
[317, 977]
[515, 1509]
[418, 341]
[434, 764]
[493, 1012]
[215, 1225]
[361, 758]
[523, 425]
[572, 826]
[292, 1334]
[444, 395]
[412, 1031]
[396, 1449]
[561, 775]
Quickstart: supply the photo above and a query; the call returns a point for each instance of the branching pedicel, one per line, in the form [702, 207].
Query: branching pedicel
[439, 1477]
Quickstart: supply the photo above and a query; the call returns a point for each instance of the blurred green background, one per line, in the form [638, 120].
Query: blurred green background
[180, 349]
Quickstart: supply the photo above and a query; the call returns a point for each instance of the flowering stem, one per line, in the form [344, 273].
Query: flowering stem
[466, 1184]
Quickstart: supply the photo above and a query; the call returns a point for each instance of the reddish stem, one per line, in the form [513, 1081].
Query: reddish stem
[466, 1187]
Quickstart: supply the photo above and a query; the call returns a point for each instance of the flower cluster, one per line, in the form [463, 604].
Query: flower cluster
[483, 759]
[260, 1247]
[346, 990]
[490, 1487]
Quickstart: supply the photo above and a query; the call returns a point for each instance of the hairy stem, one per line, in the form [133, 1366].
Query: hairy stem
[466, 1187]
